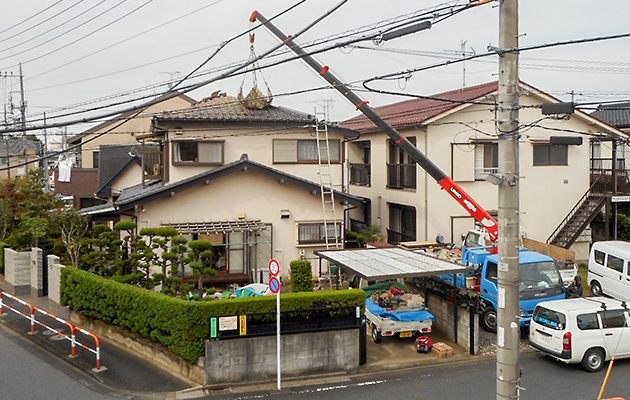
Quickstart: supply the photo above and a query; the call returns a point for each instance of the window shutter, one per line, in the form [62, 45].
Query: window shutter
[285, 151]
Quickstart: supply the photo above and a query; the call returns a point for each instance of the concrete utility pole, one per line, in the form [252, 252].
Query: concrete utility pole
[23, 118]
[508, 327]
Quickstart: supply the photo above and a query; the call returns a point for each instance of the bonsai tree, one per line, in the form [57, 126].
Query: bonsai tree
[199, 259]
[128, 263]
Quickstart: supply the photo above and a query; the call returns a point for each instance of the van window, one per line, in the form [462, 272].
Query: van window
[613, 319]
[549, 318]
[615, 263]
[587, 321]
[599, 257]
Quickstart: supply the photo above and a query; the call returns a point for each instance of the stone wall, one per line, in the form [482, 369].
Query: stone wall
[54, 279]
[37, 272]
[255, 359]
[17, 272]
[445, 314]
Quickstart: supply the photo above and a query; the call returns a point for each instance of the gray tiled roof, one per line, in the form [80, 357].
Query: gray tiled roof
[229, 109]
[17, 145]
[614, 114]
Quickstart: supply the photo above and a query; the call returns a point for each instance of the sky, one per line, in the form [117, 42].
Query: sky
[77, 54]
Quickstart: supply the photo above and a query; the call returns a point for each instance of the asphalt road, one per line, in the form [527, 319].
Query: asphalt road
[543, 378]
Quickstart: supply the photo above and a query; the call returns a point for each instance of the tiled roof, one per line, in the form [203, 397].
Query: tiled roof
[17, 146]
[614, 114]
[416, 111]
[224, 108]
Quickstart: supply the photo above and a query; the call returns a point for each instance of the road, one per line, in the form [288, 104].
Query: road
[30, 373]
[543, 378]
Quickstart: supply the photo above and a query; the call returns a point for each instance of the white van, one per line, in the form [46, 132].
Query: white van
[608, 269]
[589, 330]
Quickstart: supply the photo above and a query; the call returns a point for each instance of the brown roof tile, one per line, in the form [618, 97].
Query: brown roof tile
[416, 111]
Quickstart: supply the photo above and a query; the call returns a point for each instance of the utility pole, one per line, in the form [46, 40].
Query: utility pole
[23, 119]
[508, 326]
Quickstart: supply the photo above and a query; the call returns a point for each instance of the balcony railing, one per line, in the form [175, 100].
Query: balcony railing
[153, 165]
[360, 174]
[606, 179]
[481, 173]
[401, 176]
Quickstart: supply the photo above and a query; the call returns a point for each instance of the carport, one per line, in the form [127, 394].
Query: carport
[381, 264]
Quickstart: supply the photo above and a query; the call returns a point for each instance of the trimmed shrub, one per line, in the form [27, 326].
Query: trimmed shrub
[180, 325]
[301, 276]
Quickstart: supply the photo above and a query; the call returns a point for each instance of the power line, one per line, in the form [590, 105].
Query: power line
[31, 17]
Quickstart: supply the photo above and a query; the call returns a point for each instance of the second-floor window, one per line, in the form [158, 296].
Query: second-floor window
[551, 154]
[401, 169]
[288, 151]
[198, 152]
[486, 159]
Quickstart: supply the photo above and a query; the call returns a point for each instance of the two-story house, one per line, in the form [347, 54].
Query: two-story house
[258, 183]
[560, 157]
[17, 156]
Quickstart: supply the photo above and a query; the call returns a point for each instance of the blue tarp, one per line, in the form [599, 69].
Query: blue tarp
[419, 315]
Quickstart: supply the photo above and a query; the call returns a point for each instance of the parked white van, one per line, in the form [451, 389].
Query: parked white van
[608, 269]
[588, 330]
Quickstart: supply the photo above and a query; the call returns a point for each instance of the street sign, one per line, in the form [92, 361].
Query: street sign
[274, 284]
[274, 267]
[620, 199]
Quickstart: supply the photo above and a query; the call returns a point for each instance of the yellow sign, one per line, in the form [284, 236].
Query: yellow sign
[243, 325]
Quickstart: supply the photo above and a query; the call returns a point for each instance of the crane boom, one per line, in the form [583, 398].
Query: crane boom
[463, 198]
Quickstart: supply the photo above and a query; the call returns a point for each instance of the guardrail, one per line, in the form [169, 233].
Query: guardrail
[73, 329]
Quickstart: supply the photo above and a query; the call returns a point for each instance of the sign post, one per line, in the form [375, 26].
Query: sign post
[274, 286]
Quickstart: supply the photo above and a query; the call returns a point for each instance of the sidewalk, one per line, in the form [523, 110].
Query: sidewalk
[127, 372]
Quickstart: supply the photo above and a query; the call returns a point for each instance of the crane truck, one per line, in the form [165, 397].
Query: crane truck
[482, 256]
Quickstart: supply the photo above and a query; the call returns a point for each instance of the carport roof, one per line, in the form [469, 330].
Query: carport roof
[392, 263]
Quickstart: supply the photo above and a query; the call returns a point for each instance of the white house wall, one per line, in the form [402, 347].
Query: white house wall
[256, 195]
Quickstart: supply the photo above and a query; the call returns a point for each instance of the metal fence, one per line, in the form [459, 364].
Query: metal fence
[291, 322]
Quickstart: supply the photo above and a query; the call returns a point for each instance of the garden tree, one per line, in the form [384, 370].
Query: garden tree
[369, 234]
[129, 261]
[101, 249]
[73, 227]
[176, 257]
[301, 276]
[163, 237]
[147, 256]
[199, 259]
[25, 211]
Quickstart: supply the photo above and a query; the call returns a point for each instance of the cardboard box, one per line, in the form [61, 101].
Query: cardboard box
[442, 350]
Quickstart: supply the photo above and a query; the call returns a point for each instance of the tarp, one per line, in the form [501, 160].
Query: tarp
[383, 286]
[414, 315]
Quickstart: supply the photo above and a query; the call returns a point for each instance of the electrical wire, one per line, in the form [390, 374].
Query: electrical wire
[31, 17]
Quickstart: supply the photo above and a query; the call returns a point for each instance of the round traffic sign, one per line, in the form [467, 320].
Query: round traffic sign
[274, 284]
[274, 267]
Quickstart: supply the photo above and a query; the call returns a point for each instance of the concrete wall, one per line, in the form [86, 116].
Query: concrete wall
[17, 272]
[444, 312]
[254, 359]
[54, 279]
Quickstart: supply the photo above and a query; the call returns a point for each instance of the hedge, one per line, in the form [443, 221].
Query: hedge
[179, 324]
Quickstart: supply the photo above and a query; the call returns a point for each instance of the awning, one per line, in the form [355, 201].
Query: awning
[393, 263]
[219, 226]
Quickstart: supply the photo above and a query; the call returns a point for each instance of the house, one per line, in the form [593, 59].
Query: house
[14, 152]
[258, 183]
[250, 212]
[106, 145]
[560, 159]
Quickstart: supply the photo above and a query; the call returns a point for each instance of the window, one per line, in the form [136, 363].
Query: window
[486, 159]
[95, 159]
[304, 151]
[402, 223]
[599, 257]
[551, 154]
[587, 322]
[314, 233]
[613, 319]
[401, 169]
[615, 263]
[549, 318]
[492, 271]
[190, 152]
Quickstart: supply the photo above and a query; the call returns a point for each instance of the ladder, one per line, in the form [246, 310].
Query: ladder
[332, 226]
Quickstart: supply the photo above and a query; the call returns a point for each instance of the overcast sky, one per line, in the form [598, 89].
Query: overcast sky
[76, 51]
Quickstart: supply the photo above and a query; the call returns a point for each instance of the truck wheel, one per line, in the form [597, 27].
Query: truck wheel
[593, 360]
[596, 289]
[376, 335]
[489, 320]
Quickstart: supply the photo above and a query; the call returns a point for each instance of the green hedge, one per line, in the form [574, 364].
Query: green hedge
[180, 325]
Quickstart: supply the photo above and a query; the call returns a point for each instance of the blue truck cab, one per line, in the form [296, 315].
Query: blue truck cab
[540, 280]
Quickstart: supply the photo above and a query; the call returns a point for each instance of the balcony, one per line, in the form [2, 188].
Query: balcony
[360, 174]
[401, 176]
[606, 179]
